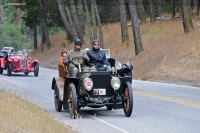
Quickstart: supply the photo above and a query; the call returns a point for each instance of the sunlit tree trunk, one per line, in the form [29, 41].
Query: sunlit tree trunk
[99, 25]
[152, 11]
[88, 23]
[186, 16]
[124, 27]
[75, 20]
[94, 20]
[44, 21]
[135, 28]
[61, 7]
[81, 16]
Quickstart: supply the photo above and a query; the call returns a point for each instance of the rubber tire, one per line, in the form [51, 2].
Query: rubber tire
[26, 73]
[1, 70]
[58, 103]
[128, 73]
[109, 107]
[72, 101]
[9, 70]
[128, 104]
[36, 67]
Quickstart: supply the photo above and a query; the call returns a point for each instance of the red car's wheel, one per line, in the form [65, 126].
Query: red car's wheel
[1, 70]
[9, 70]
[36, 69]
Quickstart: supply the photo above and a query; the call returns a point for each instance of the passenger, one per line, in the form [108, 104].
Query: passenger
[98, 57]
[63, 53]
[76, 52]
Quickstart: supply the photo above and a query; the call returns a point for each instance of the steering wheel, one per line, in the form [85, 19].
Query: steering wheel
[77, 60]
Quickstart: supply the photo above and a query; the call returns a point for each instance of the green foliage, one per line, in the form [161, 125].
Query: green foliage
[11, 36]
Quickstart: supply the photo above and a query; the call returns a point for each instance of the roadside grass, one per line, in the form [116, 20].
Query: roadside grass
[20, 116]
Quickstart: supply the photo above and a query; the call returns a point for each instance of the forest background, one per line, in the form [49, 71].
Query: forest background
[159, 37]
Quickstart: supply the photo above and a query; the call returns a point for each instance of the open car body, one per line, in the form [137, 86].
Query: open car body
[95, 89]
[19, 63]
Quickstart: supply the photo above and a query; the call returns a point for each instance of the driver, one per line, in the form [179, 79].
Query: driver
[76, 52]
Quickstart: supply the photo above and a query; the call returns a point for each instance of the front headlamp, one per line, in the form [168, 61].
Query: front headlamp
[115, 83]
[88, 84]
[118, 65]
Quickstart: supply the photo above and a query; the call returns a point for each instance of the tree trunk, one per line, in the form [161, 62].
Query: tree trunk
[72, 29]
[198, 7]
[70, 33]
[75, 20]
[152, 11]
[1, 13]
[135, 28]
[43, 39]
[141, 11]
[94, 20]
[81, 16]
[173, 9]
[124, 27]
[186, 16]
[88, 23]
[17, 17]
[99, 25]
[44, 22]
[35, 34]
[159, 8]
[179, 9]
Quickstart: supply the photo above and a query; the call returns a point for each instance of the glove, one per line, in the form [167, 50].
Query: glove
[66, 62]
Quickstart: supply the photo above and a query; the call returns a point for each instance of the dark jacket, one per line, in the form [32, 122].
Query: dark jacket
[97, 58]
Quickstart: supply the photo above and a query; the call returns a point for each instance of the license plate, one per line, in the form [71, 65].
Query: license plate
[99, 91]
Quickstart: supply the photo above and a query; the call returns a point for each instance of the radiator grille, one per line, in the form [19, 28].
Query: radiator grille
[22, 63]
[102, 82]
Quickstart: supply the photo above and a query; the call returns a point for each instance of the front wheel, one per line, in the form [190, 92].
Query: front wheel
[72, 101]
[1, 70]
[128, 99]
[9, 70]
[26, 73]
[36, 69]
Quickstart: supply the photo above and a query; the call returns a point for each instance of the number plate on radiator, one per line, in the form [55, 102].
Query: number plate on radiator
[99, 91]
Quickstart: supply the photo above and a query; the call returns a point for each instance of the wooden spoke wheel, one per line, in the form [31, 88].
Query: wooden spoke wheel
[58, 103]
[72, 101]
[128, 99]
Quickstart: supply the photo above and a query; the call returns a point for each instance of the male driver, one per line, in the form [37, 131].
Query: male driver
[76, 52]
[98, 57]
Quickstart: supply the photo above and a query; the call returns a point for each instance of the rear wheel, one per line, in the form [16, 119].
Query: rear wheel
[128, 99]
[57, 101]
[1, 70]
[72, 101]
[36, 69]
[9, 70]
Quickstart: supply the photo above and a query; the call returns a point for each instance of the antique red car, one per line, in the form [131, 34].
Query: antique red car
[18, 63]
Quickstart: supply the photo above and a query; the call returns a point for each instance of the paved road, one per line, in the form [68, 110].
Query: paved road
[157, 107]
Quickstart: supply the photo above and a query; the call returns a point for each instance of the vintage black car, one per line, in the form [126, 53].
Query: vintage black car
[93, 88]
